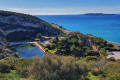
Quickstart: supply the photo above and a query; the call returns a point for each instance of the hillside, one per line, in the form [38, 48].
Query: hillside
[17, 26]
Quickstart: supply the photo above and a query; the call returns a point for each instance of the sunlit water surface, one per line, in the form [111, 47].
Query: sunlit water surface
[28, 51]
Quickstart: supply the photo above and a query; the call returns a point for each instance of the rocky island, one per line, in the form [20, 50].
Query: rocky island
[97, 14]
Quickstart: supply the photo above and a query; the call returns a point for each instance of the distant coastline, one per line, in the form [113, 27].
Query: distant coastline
[96, 14]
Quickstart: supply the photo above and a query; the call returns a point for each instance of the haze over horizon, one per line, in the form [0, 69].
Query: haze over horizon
[61, 7]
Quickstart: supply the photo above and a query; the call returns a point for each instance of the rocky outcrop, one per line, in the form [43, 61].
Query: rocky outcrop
[17, 26]
[90, 44]
[12, 23]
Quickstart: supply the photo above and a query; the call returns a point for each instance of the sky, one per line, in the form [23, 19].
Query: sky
[60, 7]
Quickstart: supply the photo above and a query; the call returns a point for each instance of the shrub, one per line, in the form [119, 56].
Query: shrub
[4, 66]
[1, 33]
[103, 51]
[16, 55]
[11, 61]
[111, 59]
[58, 68]
[53, 46]
[1, 49]
[22, 66]
[115, 76]
[88, 58]
[2, 56]
[2, 76]
[60, 26]
[48, 46]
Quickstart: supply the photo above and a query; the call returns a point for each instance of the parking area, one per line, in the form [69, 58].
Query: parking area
[115, 54]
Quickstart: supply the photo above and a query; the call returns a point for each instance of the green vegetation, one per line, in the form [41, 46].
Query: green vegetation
[73, 44]
[88, 64]
[12, 75]
[101, 43]
[78, 44]
[90, 76]
[60, 68]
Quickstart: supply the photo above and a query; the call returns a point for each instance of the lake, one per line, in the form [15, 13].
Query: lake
[28, 50]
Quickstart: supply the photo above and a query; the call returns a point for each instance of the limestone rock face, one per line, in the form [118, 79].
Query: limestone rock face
[90, 44]
[9, 24]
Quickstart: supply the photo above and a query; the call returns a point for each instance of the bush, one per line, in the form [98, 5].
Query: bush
[22, 66]
[2, 76]
[103, 51]
[48, 46]
[60, 26]
[2, 56]
[16, 55]
[1, 49]
[4, 66]
[1, 33]
[58, 68]
[113, 77]
[11, 61]
[111, 59]
[88, 58]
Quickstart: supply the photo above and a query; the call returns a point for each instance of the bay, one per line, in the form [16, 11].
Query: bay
[107, 27]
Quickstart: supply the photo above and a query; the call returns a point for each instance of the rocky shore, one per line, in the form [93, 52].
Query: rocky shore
[117, 45]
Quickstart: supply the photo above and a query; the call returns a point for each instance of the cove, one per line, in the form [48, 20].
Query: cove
[27, 50]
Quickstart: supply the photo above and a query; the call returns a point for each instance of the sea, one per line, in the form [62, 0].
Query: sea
[105, 26]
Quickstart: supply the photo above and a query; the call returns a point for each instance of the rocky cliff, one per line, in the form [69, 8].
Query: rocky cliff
[11, 22]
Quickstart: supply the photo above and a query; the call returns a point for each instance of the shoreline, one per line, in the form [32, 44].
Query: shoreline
[67, 31]
[113, 42]
[116, 45]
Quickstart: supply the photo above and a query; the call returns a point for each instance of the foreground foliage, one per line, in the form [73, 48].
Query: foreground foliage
[59, 68]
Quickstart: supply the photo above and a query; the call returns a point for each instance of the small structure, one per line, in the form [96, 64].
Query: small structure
[36, 39]
[115, 54]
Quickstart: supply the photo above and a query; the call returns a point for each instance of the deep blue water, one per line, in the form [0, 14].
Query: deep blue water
[28, 51]
[107, 27]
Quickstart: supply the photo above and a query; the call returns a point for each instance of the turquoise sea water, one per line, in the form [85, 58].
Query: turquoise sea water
[107, 27]
[28, 51]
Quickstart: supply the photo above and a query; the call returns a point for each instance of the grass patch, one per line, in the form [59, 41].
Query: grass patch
[55, 50]
[10, 76]
[50, 51]
[90, 76]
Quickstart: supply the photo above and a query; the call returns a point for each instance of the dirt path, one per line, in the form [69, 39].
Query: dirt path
[65, 31]
[40, 47]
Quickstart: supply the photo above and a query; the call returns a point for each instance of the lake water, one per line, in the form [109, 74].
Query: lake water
[28, 51]
[107, 27]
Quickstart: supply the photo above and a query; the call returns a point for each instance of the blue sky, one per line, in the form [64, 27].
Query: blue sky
[60, 7]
